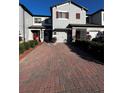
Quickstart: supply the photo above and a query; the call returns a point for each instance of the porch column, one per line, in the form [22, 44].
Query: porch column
[42, 35]
[73, 34]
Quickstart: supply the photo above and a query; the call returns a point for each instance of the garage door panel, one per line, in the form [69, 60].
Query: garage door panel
[61, 37]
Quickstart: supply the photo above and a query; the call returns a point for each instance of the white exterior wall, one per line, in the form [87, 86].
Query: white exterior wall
[28, 23]
[21, 20]
[25, 20]
[102, 17]
[72, 9]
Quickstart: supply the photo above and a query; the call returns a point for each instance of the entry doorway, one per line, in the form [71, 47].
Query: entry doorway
[36, 35]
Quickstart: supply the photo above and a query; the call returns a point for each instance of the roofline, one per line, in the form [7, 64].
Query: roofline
[72, 3]
[41, 15]
[27, 10]
[96, 12]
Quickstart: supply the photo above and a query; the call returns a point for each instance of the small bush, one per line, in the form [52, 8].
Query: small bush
[21, 48]
[94, 48]
[27, 45]
[100, 39]
[32, 43]
[36, 42]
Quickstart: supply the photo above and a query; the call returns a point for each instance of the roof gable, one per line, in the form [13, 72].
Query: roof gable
[100, 10]
[71, 3]
[25, 9]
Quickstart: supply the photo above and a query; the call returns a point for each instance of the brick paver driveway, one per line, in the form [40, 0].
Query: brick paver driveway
[56, 69]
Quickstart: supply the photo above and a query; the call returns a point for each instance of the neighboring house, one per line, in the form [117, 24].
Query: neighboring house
[32, 27]
[96, 18]
[68, 22]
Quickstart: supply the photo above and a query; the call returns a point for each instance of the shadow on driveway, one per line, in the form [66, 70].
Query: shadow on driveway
[83, 54]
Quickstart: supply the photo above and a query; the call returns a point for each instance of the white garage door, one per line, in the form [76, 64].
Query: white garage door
[61, 37]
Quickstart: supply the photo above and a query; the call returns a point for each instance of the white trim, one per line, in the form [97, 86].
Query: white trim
[62, 18]
[61, 11]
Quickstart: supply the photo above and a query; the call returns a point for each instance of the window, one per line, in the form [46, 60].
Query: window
[62, 15]
[37, 20]
[77, 15]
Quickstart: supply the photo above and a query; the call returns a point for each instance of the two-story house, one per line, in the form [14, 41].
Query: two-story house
[68, 22]
[33, 27]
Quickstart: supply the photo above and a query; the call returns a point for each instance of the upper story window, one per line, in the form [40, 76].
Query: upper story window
[77, 15]
[62, 15]
[37, 20]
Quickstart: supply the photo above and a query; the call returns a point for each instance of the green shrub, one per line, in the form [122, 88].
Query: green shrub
[100, 39]
[36, 42]
[27, 45]
[32, 43]
[94, 48]
[21, 48]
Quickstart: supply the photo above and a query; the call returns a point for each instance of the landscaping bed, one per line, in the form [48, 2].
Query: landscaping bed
[96, 49]
[27, 47]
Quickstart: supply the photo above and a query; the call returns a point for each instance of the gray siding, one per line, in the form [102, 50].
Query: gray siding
[72, 9]
[97, 18]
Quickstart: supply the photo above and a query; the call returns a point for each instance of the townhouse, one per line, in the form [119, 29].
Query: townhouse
[33, 27]
[68, 22]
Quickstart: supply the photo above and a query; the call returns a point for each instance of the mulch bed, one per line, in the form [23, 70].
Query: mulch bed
[21, 56]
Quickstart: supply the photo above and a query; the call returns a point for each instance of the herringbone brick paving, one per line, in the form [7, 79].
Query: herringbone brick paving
[56, 69]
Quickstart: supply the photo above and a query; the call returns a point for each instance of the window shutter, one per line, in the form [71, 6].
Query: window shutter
[57, 14]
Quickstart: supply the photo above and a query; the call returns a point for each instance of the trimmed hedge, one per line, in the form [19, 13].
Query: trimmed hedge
[94, 48]
[99, 40]
[26, 45]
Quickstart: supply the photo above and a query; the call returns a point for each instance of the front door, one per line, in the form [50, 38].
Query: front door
[36, 35]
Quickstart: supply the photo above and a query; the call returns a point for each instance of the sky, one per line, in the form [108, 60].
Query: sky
[42, 7]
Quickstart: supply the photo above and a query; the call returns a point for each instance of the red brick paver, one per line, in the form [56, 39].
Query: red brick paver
[56, 69]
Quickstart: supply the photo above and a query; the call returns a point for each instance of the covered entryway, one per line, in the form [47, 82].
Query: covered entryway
[36, 34]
